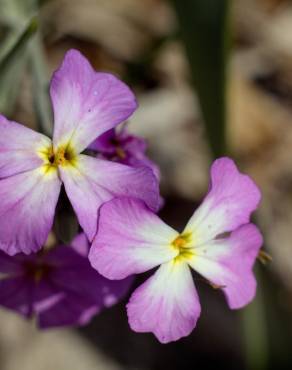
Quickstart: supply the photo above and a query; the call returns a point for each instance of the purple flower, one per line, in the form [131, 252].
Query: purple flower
[132, 239]
[123, 147]
[59, 287]
[32, 167]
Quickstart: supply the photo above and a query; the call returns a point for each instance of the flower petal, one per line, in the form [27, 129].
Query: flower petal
[74, 275]
[27, 207]
[56, 307]
[9, 265]
[81, 244]
[229, 203]
[125, 148]
[85, 292]
[228, 263]
[166, 304]
[19, 147]
[86, 103]
[69, 311]
[94, 181]
[105, 143]
[45, 296]
[16, 293]
[130, 239]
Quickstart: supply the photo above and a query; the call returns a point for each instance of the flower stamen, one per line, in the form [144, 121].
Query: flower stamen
[62, 156]
[181, 244]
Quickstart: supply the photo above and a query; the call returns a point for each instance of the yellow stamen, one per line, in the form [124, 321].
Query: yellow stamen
[264, 257]
[181, 243]
[64, 155]
[216, 286]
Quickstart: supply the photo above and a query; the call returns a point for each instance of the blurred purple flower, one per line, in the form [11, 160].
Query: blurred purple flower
[58, 287]
[123, 147]
[33, 167]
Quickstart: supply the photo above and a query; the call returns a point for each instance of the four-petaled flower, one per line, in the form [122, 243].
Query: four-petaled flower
[218, 242]
[32, 167]
[58, 287]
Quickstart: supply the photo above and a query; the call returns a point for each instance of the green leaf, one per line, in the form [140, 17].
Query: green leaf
[39, 74]
[204, 30]
[12, 64]
[20, 44]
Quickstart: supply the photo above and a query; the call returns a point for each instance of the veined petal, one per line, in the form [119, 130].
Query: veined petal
[94, 181]
[86, 103]
[19, 148]
[166, 304]
[130, 239]
[27, 207]
[228, 263]
[231, 200]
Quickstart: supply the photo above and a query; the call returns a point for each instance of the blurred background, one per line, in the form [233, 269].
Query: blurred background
[212, 77]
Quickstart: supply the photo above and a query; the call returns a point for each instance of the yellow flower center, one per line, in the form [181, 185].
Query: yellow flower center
[182, 245]
[64, 155]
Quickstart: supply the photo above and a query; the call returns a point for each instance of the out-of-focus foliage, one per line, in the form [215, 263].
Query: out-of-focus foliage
[21, 48]
[204, 28]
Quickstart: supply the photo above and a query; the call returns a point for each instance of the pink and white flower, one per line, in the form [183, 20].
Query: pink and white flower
[219, 242]
[33, 167]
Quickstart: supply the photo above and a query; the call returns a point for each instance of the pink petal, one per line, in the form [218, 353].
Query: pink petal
[19, 148]
[166, 304]
[27, 207]
[81, 244]
[130, 239]
[94, 181]
[228, 264]
[231, 200]
[86, 103]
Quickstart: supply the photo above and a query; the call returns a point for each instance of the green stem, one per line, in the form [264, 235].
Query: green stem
[255, 331]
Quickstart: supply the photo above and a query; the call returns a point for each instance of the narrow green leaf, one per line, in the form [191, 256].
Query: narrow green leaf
[204, 31]
[19, 45]
[39, 74]
[12, 64]
[254, 325]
